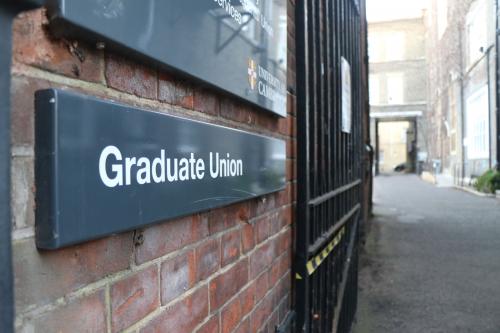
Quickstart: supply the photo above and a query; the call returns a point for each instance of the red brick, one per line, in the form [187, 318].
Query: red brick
[87, 314]
[244, 327]
[247, 299]
[261, 286]
[285, 263]
[131, 77]
[236, 111]
[247, 238]
[273, 322]
[207, 102]
[162, 239]
[33, 45]
[274, 273]
[290, 170]
[230, 247]
[211, 326]
[175, 91]
[261, 258]
[261, 229]
[183, 316]
[260, 314]
[23, 109]
[227, 217]
[207, 259]
[275, 222]
[43, 276]
[284, 308]
[283, 126]
[177, 276]
[291, 148]
[231, 316]
[285, 241]
[226, 285]
[133, 298]
[262, 205]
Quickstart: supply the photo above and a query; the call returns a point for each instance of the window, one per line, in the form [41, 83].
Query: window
[394, 45]
[478, 125]
[374, 47]
[374, 90]
[476, 31]
[395, 88]
[442, 17]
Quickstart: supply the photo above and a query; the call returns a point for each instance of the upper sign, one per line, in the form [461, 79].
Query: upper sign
[103, 167]
[239, 46]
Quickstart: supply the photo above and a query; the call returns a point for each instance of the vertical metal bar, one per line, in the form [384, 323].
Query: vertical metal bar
[497, 80]
[6, 284]
[303, 170]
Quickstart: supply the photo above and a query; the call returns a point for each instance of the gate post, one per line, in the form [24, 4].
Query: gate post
[8, 10]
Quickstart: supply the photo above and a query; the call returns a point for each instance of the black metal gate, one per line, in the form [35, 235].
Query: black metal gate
[329, 163]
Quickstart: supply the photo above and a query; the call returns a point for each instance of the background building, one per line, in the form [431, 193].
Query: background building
[397, 86]
[461, 115]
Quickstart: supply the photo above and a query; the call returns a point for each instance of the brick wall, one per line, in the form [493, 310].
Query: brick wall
[225, 270]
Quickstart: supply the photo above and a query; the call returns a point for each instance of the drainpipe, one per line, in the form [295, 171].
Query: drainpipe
[8, 10]
[497, 83]
[490, 135]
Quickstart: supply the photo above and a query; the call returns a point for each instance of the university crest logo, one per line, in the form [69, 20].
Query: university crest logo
[252, 73]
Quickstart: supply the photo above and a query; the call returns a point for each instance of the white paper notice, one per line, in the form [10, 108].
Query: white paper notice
[346, 96]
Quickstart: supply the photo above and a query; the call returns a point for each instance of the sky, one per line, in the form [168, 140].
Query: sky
[386, 10]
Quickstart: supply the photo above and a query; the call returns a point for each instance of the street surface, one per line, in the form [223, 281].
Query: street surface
[431, 261]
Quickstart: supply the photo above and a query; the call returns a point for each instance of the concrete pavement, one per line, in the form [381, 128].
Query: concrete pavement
[431, 262]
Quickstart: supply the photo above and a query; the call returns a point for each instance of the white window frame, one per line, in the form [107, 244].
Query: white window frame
[477, 117]
[394, 98]
[477, 31]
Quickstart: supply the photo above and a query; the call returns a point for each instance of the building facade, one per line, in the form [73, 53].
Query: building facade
[246, 262]
[398, 85]
[461, 115]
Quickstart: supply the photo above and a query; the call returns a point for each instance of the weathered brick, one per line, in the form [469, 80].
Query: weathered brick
[261, 286]
[175, 91]
[207, 259]
[206, 101]
[230, 316]
[133, 298]
[169, 236]
[232, 110]
[285, 241]
[34, 45]
[291, 148]
[275, 222]
[244, 327]
[42, 276]
[274, 273]
[23, 192]
[131, 77]
[177, 276]
[227, 217]
[86, 314]
[290, 170]
[211, 326]
[247, 299]
[261, 229]
[183, 316]
[227, 284]
[262, 205]
[23, 109]
[261, 258]
[230, 247]
[273, 322]
[285, 263]
[260, 314]
[247, 238]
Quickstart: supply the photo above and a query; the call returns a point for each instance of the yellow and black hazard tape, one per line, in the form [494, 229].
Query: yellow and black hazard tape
[315, 262]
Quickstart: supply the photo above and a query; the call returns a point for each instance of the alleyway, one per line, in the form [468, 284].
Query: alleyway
[431, 262]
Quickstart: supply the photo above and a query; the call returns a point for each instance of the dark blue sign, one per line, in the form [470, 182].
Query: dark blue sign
[239, 46]
[103, 167]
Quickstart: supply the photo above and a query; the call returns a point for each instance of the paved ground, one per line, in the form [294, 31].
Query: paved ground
[431, 262]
